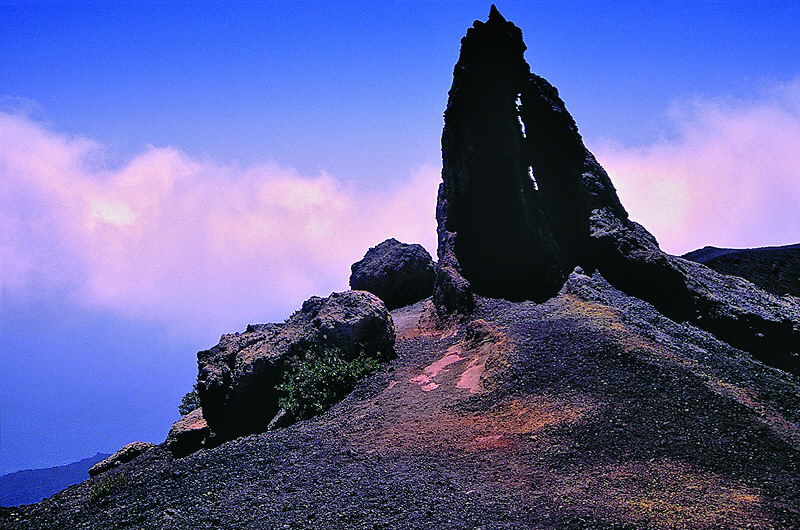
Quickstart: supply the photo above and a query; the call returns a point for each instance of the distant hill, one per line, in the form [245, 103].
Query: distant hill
[33, 485]
[774, 269]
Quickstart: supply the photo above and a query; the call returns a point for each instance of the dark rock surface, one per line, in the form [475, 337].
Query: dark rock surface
[602, 404]
[238, 376]
[491, 226]
[774, 269]
[397, 273]
[188, 434]
[590, 411]
[522, 202]
[123, 456]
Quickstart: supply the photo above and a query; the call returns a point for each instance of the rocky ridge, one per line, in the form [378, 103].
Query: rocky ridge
[523, 202]
[565, 374]
[591, 410]
[774, 269]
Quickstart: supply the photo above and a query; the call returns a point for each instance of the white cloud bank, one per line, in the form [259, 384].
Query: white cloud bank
[729, 177]
[198, 246]
[205, 248]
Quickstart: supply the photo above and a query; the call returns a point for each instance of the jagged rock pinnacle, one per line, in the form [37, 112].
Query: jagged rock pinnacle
[494, 15]
[522, 202]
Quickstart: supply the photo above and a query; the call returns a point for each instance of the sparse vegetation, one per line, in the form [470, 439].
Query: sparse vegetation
[319, 377]
[189, 402]
[106, 485]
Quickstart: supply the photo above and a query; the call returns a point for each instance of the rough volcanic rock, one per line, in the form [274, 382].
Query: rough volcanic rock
[774, 269]
[522, 202]
[590, 411]
[238, 377]
[397, 273]
[123, 456]
[732, 308]
[491, 226]
[188, 433]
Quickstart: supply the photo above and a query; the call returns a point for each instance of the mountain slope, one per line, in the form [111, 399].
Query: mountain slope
[584, 408]
[774, 269]
[33, 485]
[588, 411]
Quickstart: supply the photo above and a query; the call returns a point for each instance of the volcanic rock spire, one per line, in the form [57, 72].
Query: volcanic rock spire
[492, 230]
[518, 183]
[523, 202]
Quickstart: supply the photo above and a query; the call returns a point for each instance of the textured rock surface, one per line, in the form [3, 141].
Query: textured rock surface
[123, 456]
[732, 308]
[491, 226]
[397, 273]
[774, 269]
[238, 376]
[591, 411]
[522, 202]
[188, 433]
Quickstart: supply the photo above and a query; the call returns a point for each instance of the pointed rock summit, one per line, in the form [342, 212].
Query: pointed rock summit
[523, 202]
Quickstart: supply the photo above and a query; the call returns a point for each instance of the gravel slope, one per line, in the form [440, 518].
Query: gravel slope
[588, 411]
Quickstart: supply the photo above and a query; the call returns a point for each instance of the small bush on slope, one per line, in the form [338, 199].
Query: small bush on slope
[320, 377]
[189, 402]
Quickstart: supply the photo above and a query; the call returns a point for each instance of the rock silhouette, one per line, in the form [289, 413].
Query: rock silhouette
[397, 273]
[523, 202]
[774, 269]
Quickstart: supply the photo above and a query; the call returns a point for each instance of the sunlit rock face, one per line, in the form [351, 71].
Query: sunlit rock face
[238, 378]
[523, 202]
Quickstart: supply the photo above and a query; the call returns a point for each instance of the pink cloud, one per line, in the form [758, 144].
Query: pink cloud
[205, 247]
[730, 177]
[200, 246]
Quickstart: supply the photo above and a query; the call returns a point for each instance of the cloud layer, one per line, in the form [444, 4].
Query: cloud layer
[190, 243]
[204, 247]
[729, 176]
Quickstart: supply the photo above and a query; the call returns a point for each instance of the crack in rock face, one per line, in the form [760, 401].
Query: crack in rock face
[522, 203]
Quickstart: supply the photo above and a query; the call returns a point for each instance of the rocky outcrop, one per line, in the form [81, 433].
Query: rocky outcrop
[397, 273]
[493, 236]
[123, 456]
[774, 269]
[188, 434]
[238, 377]
[522, 202]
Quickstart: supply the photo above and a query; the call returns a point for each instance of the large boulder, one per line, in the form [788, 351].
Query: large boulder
[522, 202]
[397, 273]
[238, 378]
[123, 456]
[188, 434]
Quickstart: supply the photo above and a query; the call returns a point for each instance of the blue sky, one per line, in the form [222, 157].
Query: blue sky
[173, 171]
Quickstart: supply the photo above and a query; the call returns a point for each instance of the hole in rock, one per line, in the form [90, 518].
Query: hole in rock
[533, 178]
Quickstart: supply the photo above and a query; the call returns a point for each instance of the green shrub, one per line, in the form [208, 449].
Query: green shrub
[319, 377]
[106, 485]
[189, 402]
